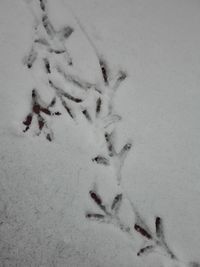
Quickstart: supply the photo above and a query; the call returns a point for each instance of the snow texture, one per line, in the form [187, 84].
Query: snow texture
[99, 133]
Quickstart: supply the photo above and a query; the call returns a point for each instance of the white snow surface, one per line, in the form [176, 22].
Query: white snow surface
[44, 186]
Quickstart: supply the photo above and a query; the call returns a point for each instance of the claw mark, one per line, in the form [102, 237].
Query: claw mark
[87, 115]
[142, 231]
[111, 149]
[28, 121]
[67, 31]
[95, 216]
[42, 41]
[97, 199]
[57, 51]
[49, 137]
[61, 92]
[41, 122]
[30, 59]
[124, 151]
[98, 106]
[116, 203]
[159, 227]
[104, 70]
[52, 103]
[101, 160]
[67, 108]
[43, 5]
[48, 26]
[120, 78]
[121, 75]
[61, 95]
[145, 250]
[36, 110]
[47, 65]
[72, 98]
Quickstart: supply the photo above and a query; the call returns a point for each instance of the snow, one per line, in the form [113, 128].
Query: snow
[47, 188]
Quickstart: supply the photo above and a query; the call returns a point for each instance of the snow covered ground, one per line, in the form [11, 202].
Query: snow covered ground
[99, 133]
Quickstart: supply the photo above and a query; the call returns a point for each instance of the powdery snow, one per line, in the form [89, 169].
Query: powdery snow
[99, 133]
